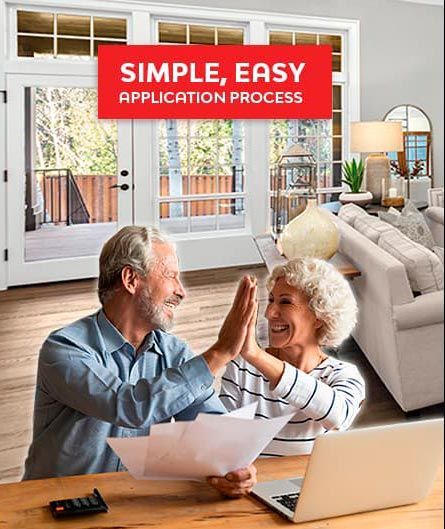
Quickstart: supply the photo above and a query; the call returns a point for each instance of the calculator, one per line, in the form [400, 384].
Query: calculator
[75, 506]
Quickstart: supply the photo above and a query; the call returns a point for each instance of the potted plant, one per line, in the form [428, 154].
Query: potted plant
[353, 173]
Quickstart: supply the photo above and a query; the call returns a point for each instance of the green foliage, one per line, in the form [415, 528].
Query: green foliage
[353, 175]
[209, 149]
[68, 134]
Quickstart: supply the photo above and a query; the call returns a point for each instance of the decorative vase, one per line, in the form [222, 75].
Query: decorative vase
[311, 234]
[361, 199]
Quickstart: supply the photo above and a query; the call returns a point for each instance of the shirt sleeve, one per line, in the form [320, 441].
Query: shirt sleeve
[77, 379]
[230, 393]
[334, 402]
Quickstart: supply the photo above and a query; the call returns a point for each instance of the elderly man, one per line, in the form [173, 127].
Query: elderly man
[116, 372]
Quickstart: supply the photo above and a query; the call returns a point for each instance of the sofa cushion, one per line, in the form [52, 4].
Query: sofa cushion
[424, 269]
[411, 223]
[349, 212]
[372, 227]
[438, 250]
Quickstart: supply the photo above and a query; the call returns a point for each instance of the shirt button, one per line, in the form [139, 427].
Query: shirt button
[203, 387]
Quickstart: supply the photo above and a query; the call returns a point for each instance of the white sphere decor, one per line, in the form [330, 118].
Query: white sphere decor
[310, 234]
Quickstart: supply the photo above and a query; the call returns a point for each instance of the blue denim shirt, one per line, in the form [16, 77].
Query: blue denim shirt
[91, 385]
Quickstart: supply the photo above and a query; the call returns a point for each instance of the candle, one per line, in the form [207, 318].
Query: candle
[392, 192]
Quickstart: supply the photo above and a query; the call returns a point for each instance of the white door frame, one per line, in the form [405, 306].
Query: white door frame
[19, 271]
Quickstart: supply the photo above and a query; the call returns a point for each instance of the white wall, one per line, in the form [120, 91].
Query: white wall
[401, 53]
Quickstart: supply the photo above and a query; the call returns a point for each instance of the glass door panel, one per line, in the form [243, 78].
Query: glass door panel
[75, 171]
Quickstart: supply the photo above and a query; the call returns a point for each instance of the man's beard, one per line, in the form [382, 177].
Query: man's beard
[153, 313]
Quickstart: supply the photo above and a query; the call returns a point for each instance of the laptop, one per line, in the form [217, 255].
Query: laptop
[360, 470]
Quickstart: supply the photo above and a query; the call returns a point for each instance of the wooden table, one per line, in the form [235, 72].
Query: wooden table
[187, 505]
[271, 254]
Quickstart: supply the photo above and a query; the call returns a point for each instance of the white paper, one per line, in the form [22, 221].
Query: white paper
[212, 445]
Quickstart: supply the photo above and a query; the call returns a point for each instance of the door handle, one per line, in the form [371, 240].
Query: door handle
[123, 187]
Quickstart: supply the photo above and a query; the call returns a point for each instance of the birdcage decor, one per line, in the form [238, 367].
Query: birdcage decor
[294, 182]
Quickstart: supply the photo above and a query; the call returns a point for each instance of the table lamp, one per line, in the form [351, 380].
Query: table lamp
[376, 138]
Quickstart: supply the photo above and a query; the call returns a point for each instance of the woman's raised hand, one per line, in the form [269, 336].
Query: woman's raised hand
[250, 348]
[233, 332]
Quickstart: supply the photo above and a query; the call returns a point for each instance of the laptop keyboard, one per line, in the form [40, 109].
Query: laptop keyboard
[287, 500]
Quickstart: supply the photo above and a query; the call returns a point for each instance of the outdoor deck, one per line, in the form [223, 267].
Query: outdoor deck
[60, 242]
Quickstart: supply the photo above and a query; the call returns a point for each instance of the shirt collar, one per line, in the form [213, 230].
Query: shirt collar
[114, 340]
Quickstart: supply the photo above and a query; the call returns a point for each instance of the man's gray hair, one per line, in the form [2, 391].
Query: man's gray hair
[130, 246]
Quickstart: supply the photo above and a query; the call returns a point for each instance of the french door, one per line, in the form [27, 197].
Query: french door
[74, 180]
[70, 178]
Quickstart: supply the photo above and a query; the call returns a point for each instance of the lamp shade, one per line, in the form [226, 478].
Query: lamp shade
[376, 136]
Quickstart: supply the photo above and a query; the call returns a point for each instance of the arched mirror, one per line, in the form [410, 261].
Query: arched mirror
[416, 159]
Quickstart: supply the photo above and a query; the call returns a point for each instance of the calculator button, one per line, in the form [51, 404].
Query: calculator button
[60, 508]
[68, 504]
[93, 501]
[77, 503]
[84, 502]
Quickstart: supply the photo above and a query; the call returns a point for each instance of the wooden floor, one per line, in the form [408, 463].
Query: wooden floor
[28, 314]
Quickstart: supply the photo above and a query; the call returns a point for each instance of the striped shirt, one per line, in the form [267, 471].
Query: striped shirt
[328, 397]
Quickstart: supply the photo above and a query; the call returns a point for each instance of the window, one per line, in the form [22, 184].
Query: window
[416, 140]
[296, 37]
[175, 33]
[323, 138]
[45, 34]
[201, 163]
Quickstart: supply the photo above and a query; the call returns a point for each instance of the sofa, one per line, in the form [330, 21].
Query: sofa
[400, 332]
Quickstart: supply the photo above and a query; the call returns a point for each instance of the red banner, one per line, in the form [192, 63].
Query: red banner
[203, 82]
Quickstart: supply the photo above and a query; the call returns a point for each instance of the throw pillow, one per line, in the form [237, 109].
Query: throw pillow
[349, 212]
[411, 223]
[372, 227]
[423, 268]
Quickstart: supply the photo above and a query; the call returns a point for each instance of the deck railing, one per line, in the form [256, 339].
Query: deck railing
[63, 201]
[97, 201]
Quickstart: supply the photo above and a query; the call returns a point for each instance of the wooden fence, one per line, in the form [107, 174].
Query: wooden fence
[199, 185]
[101, 201]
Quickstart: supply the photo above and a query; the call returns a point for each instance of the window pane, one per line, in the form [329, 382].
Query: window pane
[336, 97]
[325, 146]
[337, 123]
[235, 175]
[307, 127]
[337, 144]
[325, 127]
[174, 217]
[34, 46]
[202, 35]
[337, 175]
[202, 128]
[203, 215]
[97, 43]
[74, 47]
[34, 22]
[202, 155]
[280, 37]
[305, 38]
[325, 175]
[336, 63]
[115, 28]
[73, 25]
[70, 175]
[174, 33]
[230, 36]
[331, 40]
[231, 214]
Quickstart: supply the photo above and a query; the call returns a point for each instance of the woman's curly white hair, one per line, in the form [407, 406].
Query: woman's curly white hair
[329, 294]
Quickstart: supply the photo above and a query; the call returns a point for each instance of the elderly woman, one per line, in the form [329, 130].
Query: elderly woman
[310, 305]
